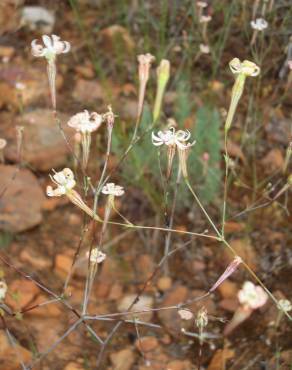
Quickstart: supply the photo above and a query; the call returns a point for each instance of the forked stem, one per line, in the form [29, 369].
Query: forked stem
[225, 242]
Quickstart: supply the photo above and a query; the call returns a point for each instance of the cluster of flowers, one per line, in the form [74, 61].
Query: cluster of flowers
[65, 182]
[85, 123]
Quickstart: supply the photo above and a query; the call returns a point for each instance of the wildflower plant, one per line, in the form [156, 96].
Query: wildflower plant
[177, 145]
[174, 141]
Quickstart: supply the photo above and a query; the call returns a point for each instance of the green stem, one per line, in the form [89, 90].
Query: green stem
[225, 184]
[202, 208]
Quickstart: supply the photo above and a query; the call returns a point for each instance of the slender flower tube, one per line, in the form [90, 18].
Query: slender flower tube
[256, 4]
[264, 7]
[109, 119]
[183, 153]
[204, 20]
[163, 73]
[52, 47]
[96, 257]
[85, 123]
[241, 70]
[145, 61]
[65, 183]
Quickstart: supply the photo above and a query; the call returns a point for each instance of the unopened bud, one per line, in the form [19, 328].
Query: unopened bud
[229, 271]
[163, 73]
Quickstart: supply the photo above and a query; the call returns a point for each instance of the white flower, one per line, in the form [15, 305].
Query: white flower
[3, 290]
[64, 181]
[252, 296]
[284, 305]
[112, 189]
[52, 46]
[181, 138]
[164, 137]
[205, 49]
[246, 67]
[96, 256]
[20, 86]
[205, 19]
[171, 137]
[85, 122]
[3, 143]
[259, 24]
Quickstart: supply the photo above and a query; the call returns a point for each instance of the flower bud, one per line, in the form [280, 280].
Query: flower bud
[163, 73]
[202, 318]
